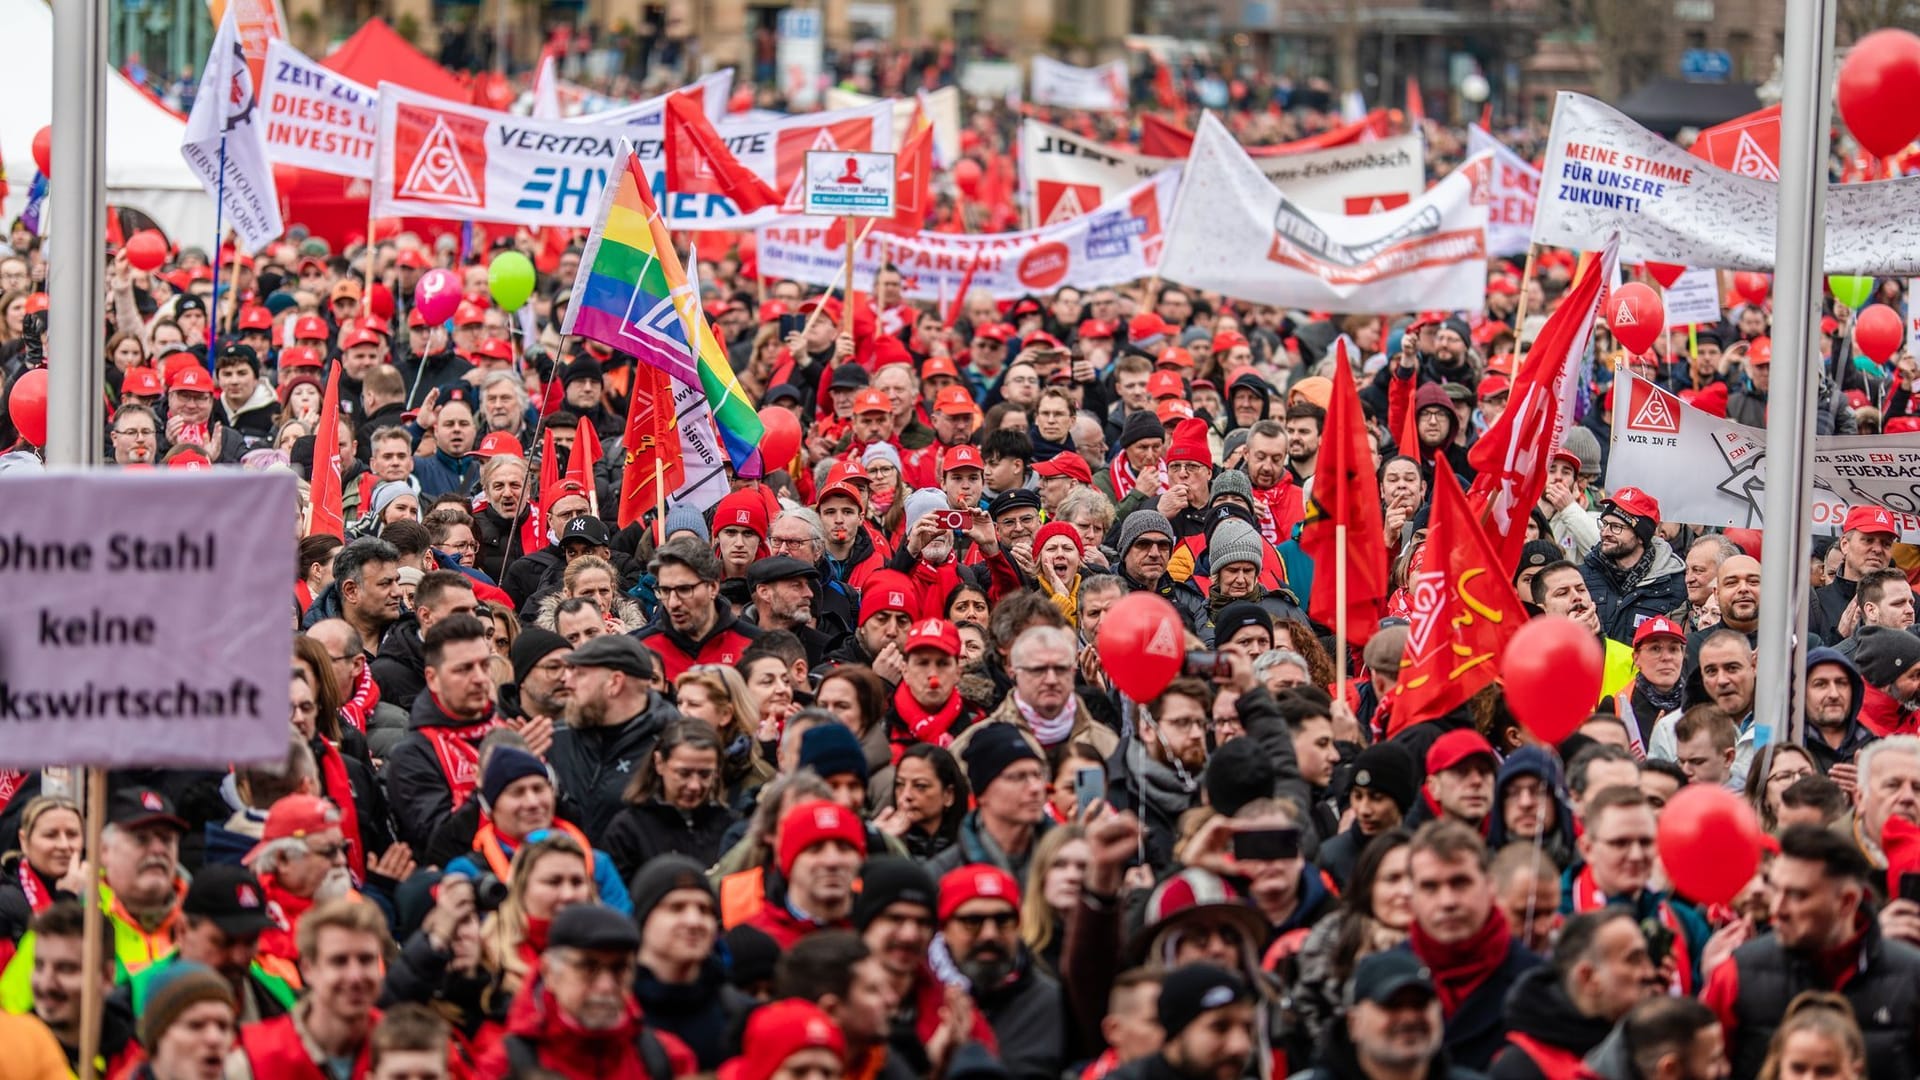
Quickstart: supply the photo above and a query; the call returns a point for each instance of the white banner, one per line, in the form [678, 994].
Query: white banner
[442, 159]
[317, 119]
[943, 111]
[1234, 232]
[799, 55]
[712, 90]
[1694, 298]
[224, 143]
[1515, 189]
[1706, 470]
[1063, 175]
[1064, 86]
[1604, 172]
[1119, 242]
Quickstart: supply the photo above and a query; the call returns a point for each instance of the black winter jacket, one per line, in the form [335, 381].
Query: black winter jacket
[593, 765]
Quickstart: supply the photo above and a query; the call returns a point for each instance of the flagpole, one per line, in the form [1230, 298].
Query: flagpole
[660, 492]
[370, 252]
[820, 307]
[846, 307]
[1520, 309]
[219, 228]
[1339, 605]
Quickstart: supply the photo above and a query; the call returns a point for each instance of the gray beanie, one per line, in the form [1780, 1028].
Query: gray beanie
[1234, 541]
[686, 518]
[1232, 482]
[879, 451]
[1581, 444]
[924, 501]
[1882, 653]
[1140, 523]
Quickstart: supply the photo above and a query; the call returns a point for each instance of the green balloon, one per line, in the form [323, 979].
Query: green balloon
[510, 278]
[1851, 290]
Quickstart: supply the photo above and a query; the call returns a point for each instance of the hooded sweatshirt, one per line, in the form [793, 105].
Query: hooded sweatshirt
[1856, 736]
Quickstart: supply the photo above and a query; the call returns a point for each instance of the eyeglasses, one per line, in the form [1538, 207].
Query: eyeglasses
[1000, 920]
[680, 592]
[1164, 547]
[789, 543]
[1057, 671]
[137, 433]
[468, 545]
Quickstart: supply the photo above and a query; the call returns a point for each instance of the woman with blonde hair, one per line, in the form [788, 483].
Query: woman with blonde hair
[718, 695]
[1052, 891]
[549, 872]
[1818, 1039]
[46, 866]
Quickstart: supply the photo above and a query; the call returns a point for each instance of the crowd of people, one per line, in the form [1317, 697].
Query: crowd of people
[831, 780]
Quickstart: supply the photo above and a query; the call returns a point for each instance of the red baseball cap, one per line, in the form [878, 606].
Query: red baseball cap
[772, 311]
[1173, 409]
[1174, 356]
[1428, 318]
[1568, 456]
[1760, 351]
[1041, 341]
[1148, 324]
[1489, 330]
[938, 366]
[255, 317]
[37, 302]
[374, 324]
[494, 348]
[963, 456]
[1457, 746]
[955, 401]
[1634, 503]
[469, 314]
[1098, 328]
[191, 378]
[934, 634]
[415, 320]
[979, 881]
[309, 328]
[1501, 364]
[295, 817]
[142, 382]
[357, 337]
[1165, 384]
[871, 400]
[1868, 518]
[1658, 626]
[1228, 339]
[496, 443]
[1494, 385]
[412, 259]
[190, 460]
[1501, 285]
[1065, 463]
[298, 356]
[830, 303]
[999, 332]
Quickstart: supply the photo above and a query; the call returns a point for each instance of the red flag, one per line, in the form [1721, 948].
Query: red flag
[1416, 104]
[580, 463]
[1486, 117]
[1464, 611]
[1748, 145]
[1163, 138]
[912, 172]
[652, 459]
[533, 528]
[1510, 459]
[1346, 492]
[323, 491]
[698, 159]
[1163, 90]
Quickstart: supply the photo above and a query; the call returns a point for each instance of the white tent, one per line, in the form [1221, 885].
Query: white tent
[144, 168]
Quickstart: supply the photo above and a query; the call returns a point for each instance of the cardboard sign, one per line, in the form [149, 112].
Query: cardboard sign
[146, 621]
[850, 184]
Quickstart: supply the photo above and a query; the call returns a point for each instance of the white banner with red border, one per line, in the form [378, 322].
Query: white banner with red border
[1707, 470]
[1119, 242]
[1514, 190]
[1064, 86]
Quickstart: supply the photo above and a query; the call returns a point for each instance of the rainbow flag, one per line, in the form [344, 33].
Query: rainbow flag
[633, 295]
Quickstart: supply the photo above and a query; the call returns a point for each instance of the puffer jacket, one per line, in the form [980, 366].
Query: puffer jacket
[1623, 605]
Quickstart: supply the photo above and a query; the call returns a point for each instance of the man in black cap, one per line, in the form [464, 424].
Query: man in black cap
[226, 912]
[1142, 440]
[1016, 517]
[681, 982]
[585, 389]
[782, 591]
[139, 860]
[614, 716]
[539, 690]
[1393, 1027]
[245, 403]
[1009, 781]
[1382, 791]
[1208, 1014]
[894, 915]
[1536, 556]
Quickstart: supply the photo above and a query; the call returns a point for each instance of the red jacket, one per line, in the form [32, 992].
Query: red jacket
[563, 1047]
[1883, 716]
[723, 644]
[775, 921]
[276, 1051]
[936, 583]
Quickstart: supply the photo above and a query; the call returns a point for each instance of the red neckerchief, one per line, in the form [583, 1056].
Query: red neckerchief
[38, 898]
[1837, 966]
[458, 749]
[339, 789]
[1462, 967]
[1125, 479]
[927, 726]
[365, 699]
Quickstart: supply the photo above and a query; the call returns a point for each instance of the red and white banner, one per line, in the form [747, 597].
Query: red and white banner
[439, 158]
[711, 91]
[1119, 242]
[1514, 191]
[1746, 145]
[223, 143]
[1063, 86]
[1064, 175]
[1234, 232]
[316, 118]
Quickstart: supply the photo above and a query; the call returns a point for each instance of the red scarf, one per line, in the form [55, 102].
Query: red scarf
[926, 726]
[534, 943]
[286, 910]
[333, 778]
[1124, 479]
[366, 698]
[11, 781]
[38, 897]
[1588, 896]
[458, 749]
[1462, 967]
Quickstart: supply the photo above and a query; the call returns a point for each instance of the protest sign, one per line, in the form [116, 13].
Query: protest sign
[1706, 470]
[1064, 175]
[850, 184]
[317, 119]
[1064, 86]
[799, 56]
[145, 622]
[443, 159]
[1514, 190]
[223, 142]
[1603, 173]
[1118, 242]
[1234, 232]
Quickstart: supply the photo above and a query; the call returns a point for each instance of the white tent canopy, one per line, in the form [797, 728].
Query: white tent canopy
[144, 168]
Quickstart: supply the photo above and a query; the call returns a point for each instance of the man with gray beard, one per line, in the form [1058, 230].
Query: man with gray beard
[979, 947]
[301, 861]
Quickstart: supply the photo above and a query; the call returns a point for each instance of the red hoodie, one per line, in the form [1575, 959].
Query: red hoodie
[566, 1049]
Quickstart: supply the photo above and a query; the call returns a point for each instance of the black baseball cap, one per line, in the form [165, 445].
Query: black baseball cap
[780, 392]
[1382, 976]
[779, 568]
[586, 528]
[1013, 500]
[592, 927]
[848, 377]
[231, 897]
[616, 652]
[139, 807]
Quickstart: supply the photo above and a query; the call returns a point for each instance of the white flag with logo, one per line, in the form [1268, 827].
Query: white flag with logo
[1233, 232]
[224, 144]
[316, 118]
[1064, 86]
[1515, 190]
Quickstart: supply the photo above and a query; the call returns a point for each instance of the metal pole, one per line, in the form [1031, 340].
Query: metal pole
[77, 226]
[1799, 258]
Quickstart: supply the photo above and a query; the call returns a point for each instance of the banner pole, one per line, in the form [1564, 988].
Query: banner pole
[370, 256]
[1339, 604]
[92, 942]
[219, 227]
[659, 495]
[846, 306]
[1520, 309]
[1806, 84]
[818, 308]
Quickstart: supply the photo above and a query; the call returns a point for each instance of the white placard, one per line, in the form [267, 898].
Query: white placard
[850, 184]
[1694, 298]
[317, 119]
[146, 620]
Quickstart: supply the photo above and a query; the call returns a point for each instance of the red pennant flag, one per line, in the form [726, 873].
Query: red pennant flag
[652, 459]
[1346, 494]
[326, 518]
[1486, 117]
[698, 159]
[533, 528]
[1464, 611]
[1510, 459]
[1163, 138]
[1416, 104]
[580, 463]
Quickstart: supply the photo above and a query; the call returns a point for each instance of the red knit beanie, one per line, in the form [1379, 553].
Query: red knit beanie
[979, 881]
[1189, 443]
[817, 822]
[1059, 528]
[778, 1031]
[888, 590]
[744, 509]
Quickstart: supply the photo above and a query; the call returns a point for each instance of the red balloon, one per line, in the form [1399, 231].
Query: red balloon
[146, 250]
[1665, 273]
[1709, 843]
[1877, 86]
[1637, 316]
[1752, 287]
[1142, 644]
[1552, 670]
[1879, 331]
[782, 439]
[27, 407]
[43, 151]
[1749, 540]
[966, 177]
